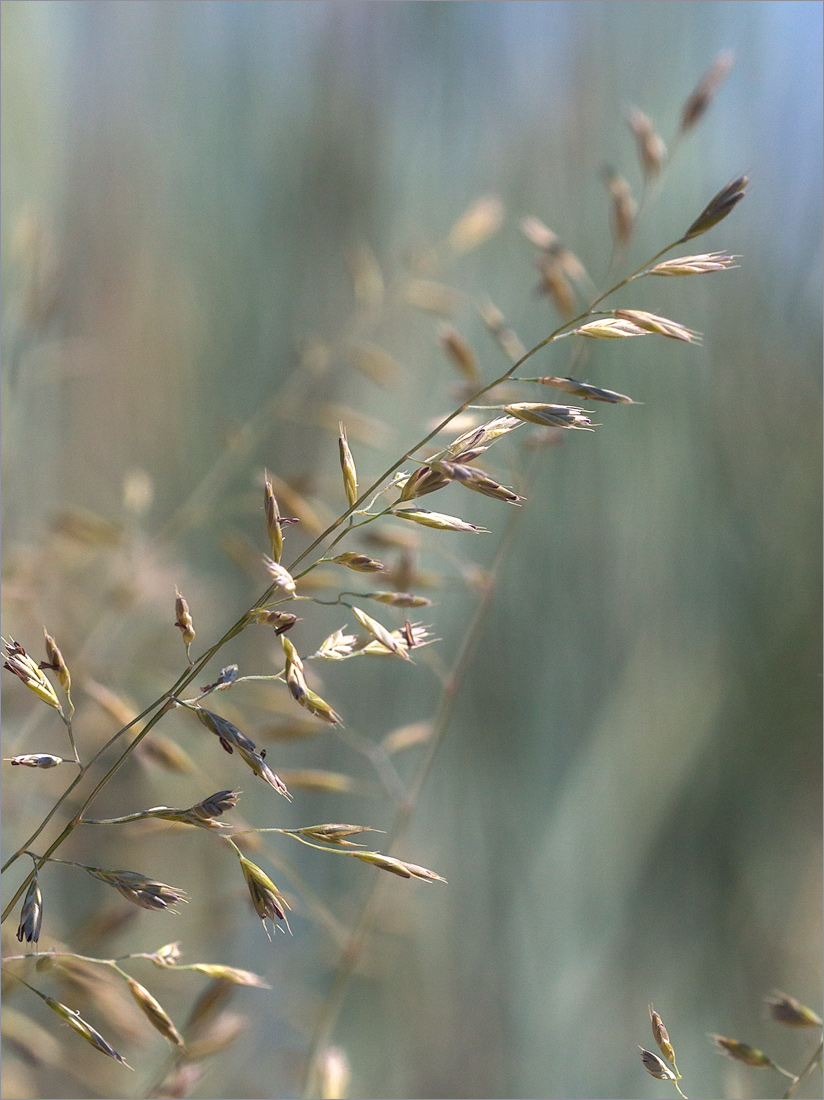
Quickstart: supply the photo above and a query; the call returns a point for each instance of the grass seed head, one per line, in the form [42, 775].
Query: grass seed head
[702, 97]
[477, 224]
[624, 208]
[273, 526]
[661, 1036]
[347, 465]
[460, 354]
[787, 1010]
[361, 563]
[183, 620]
[84, 1030]
[140, 890]
[718, 208]
[609, 328]
[281, 576]
[655, 1066]
[660, 326]
[31, 914]
[268, 901]
[36, 760]
[437, 520]
[55, 662]
[742, 1052]
[27, 670]
[694, 265]
[154, 1012]
[651, 149]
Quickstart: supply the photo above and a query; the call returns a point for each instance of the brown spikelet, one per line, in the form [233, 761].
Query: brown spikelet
[347, 466]
[702, 97]
[651, 149]
[55, 662]
[183, 620]
[623, 207]
[273, 526]
[790, 1012]
[742, 1052]
[460, 354]
[154, 1012]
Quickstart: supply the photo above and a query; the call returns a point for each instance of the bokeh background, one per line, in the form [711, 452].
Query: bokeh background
[627, 805]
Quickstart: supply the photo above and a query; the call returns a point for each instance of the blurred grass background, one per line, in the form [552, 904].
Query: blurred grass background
[628, 804]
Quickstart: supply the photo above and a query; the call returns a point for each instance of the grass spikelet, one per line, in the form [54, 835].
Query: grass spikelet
[609, 328]
[742, 1052]
[477, 224]
[281, 576]
[55, 661]
[27, 670]
[267, 900]
[335, 833]
[661, 326]
[623, 208]
[702, 97]
[361, 563]
[398, 599]
[557, 416]
[36, 760]
[229, 974]
[397, 866]
[718, 208]
[694, 265]
[31, 914]
[584, 389]
[347, 465]
[460, 354]
[380, 633]
[183, 621]
[273, 525]
[788, 1011]
[506, 340]
[437, 520]
[375, 363]
[154, 1012]
[651, 149]
[655, 1066]
[431, 297]
[139, 890]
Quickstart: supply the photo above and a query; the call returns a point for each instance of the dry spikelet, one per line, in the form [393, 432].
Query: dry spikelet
[347, 465]
[655, 1067]
[31, 914]
[162, 751]
[217, 1035]
[272, 518]
[183, 620]
[268, 901]
[558, 416]
[398, 599]
[476, 480]
[694, 265]
[361, 563]
[584, 389]
[437, 520]
[88, 529]
[661, 326]
[407, 737]
[702, 97]
[661, 1036]
[609, 328]
[554, 283]
[460, 354]
[154, 1012]
[305, 511]
[651, 149]
[397, 866]
[140, 890]
[335, 833]
[477, 224]
[230, 974]
[718, 208]
[337, 647]
[742, 1052]
[787, 1010]
[281, 576]
[380, 633]
[623, 208]
[504, 337]
[27, 670]
[82, 1028]
[56, 663]
[36, 760]
[432, 297]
